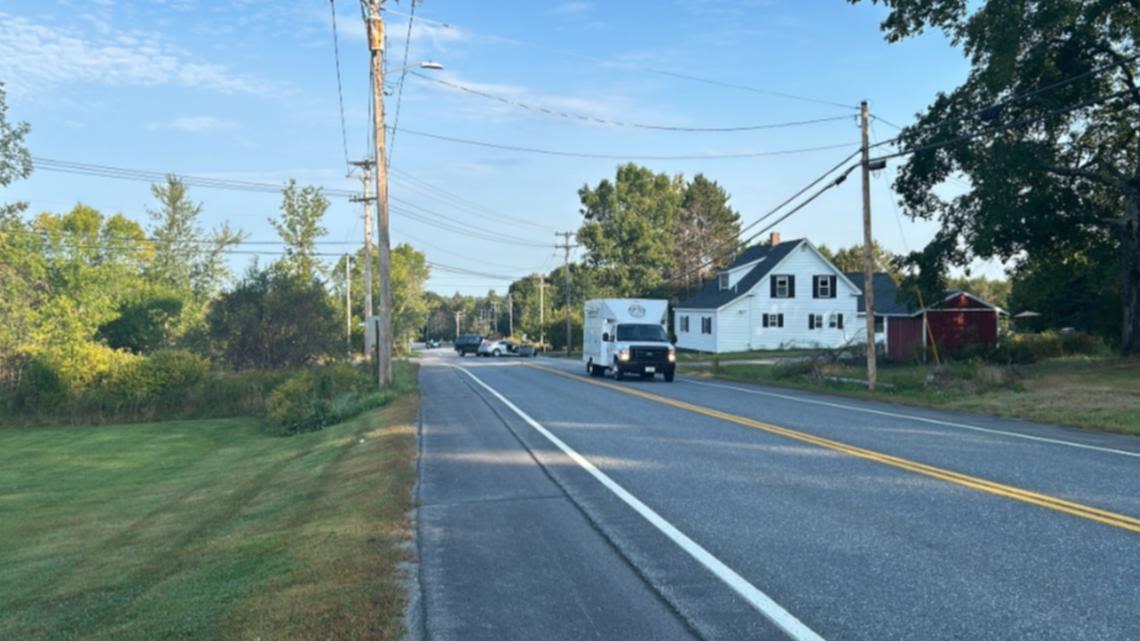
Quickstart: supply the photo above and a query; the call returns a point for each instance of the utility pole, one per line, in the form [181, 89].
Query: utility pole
[366, 179]
[495, 317]
[868, 264]
[458, 318]
[566, 273]
[541, 312]
[347, 304]
[384, 324]
[510, 315]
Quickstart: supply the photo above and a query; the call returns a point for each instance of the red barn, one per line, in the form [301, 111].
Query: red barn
[959, 318]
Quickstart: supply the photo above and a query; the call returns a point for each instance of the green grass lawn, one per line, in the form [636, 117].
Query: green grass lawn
[206, 529]
[1101, 394]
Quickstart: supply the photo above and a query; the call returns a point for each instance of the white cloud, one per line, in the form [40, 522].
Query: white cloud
[36, 58]
[574, 7]
[202, 123]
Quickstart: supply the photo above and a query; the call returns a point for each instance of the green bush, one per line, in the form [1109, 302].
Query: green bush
[160, 377]
[1029, 348]
[40, 385]
[316, 397]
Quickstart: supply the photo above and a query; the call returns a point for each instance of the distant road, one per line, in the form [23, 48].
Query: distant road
[559, 506]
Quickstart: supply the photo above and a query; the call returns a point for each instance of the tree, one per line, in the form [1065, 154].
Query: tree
[300, 227]
[705, 234]
[143, 325]
[850, 259]
[628, 231]
[188, 261]
[15, 161]
[409, 272]
[274, 319]
[1055, 173]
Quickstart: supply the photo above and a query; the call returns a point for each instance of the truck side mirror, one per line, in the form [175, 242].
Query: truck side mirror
[605, 337]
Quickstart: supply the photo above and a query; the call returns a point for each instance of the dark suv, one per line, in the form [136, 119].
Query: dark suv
[468, 344]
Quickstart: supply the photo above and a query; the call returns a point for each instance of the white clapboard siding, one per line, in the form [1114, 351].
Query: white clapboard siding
[694, 339]
[734, 326]
[803, 263]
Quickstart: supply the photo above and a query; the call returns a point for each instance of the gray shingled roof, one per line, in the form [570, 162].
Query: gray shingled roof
[886, 294]
[712, 297]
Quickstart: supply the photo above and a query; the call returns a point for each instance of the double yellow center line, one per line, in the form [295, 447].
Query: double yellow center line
[1114, 519]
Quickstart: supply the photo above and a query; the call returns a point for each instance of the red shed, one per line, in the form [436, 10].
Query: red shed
[958, 318]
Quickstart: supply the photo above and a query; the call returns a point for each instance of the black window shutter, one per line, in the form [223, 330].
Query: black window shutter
[781, 318]
[811, 321]
[839, 320]
[832, 278]
[772, 282]
[815, 286]
[764, 320]
[791, 286]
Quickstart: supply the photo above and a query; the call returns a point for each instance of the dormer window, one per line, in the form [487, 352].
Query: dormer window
[723, 280]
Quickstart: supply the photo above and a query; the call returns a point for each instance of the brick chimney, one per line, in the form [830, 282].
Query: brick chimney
[775, 239]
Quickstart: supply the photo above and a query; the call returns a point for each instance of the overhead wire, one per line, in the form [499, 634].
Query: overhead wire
[441, 195]
[619, 123]
[339, 85]
[575, 154]
[400, 90]
[663, 72]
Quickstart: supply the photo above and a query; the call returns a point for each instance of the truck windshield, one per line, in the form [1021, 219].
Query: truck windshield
[642, 333]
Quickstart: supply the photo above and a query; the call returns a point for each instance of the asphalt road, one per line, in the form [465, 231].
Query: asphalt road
[557, 506]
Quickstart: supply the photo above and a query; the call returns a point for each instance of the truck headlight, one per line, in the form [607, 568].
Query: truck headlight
[672, 356]
[623, 355]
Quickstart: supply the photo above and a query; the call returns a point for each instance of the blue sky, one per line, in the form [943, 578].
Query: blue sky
[246, 89]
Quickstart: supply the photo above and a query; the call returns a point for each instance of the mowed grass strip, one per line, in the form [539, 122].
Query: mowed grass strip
[206, 530]
[1099, 394]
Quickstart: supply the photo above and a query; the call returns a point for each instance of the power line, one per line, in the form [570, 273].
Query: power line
[1005, 127]
[339, 86]
[662, 72]
[121, 173]
[575, 154]
[619, 123]
[992, 111]
[400, 91]
[441, 195]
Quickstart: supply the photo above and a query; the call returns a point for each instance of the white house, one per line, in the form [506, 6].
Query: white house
[784, 294]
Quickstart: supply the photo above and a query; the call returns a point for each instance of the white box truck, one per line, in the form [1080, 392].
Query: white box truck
[627, 336]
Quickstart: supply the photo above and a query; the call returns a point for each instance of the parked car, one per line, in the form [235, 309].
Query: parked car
[494, 348]
[432, 343]
[526, 351]
[468, 344]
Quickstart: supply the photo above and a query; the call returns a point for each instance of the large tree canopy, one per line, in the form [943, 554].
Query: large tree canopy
[1046, 130]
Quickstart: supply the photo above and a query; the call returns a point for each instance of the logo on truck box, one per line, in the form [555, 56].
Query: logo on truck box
[636, 311]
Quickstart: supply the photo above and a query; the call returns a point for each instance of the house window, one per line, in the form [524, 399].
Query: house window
[772, 320]
[879, 324]
[685, 324]
[836, 321]
[723, 280]
[823, 287]
[815, 321]
[706, 324]
[783, 286]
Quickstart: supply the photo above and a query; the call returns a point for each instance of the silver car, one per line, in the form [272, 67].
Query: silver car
[494, 348]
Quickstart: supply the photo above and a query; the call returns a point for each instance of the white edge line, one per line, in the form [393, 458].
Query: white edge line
[775, 613]
[912, 417]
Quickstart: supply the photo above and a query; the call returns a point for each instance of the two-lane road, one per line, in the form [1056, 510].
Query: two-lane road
[555, 505]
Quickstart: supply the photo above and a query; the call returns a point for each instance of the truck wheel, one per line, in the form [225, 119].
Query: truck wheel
[495, 353]
[462, 354]
[669, 377]
[618, 374]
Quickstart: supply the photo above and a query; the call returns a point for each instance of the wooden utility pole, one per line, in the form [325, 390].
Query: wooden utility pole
[868, 261]
[458, 318]
[348, 303]
[384, 320]
[510, 315]
[566, 246]
[542, 312]
[494, 317]
[366, 180]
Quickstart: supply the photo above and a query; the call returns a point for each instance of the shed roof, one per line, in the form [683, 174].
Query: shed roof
[886, 293]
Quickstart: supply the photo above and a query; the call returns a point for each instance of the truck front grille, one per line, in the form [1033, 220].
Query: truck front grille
[648, 354]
